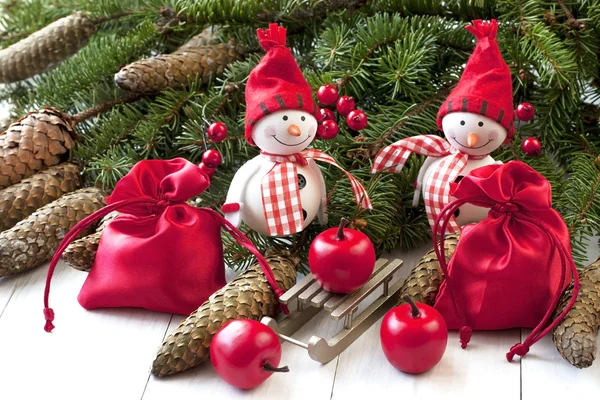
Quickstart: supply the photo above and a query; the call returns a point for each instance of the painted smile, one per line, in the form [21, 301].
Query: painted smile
[291, 145]
[467, 147]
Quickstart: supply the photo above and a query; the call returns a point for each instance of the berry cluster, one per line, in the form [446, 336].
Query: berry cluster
[531, 146]
[211, 159]
[345, 106]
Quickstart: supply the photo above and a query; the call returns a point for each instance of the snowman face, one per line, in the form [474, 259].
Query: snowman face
[473, 134]
[285, 132]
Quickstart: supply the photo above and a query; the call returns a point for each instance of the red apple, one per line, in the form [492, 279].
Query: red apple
[245, 353]
[341, 259]
[413, 337]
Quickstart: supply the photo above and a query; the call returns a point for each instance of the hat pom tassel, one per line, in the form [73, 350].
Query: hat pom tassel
[272, 37]
[482, 29]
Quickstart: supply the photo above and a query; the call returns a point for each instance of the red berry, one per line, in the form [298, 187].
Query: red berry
[212, 158]
[217, 131]
[531, 146]
[345, 104]
[326, 114]
[245, 353]
[328, 129]
[357, 120]
[525, 111]
[207, 170]
[327, 94]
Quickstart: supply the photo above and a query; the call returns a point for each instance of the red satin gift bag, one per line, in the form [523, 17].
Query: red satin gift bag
[160, 254]
[510, 269]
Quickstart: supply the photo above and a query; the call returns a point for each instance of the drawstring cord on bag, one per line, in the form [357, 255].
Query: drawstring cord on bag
[156, 207]
[538, 332]
[465, 331]
[247, 243]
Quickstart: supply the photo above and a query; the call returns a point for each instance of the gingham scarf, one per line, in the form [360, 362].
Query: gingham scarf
[281, 196]
[437, 193]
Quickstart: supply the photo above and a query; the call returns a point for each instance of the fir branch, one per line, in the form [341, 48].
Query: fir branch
[104, 107]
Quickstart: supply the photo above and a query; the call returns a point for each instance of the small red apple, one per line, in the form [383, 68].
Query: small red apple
[413, 337]
[341, 259]
[245, 353]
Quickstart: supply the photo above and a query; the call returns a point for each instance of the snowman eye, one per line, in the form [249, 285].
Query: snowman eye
[480, 123]
[303, 118]
[285, 117]
[462, 122]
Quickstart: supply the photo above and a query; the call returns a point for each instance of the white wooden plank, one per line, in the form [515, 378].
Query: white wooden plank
[546, 375]
[363, 371]
[103, 354]
[8, 285]
[307, 379]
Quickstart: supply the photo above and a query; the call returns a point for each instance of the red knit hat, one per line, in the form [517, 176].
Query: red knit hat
[276, 83]
[485, 86]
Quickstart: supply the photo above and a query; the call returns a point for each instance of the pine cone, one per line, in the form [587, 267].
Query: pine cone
[34, 240]
[424, 281]
[175, 69]
[45, 48]
[81, 253]
[248, 296]
[576, 336]
[21, 199]
[207, 37]
[39, 140]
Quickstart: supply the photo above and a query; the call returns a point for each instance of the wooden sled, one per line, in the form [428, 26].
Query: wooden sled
[310, 299]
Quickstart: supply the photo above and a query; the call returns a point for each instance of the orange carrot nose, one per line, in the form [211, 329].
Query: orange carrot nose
[472, 140]
[294, 130]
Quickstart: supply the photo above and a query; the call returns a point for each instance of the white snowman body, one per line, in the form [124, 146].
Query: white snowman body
[284, 132]
[472, 134]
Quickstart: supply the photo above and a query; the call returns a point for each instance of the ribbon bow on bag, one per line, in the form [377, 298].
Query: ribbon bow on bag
[160, 254]
[510, 269]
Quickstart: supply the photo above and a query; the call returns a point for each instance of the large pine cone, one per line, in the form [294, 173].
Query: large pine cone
[33, 241]
[45, 48]
[39, 140]
[81, 253]
[20, 200]
[424, 281]
[176, 69]
[248, 296]
[576, 336]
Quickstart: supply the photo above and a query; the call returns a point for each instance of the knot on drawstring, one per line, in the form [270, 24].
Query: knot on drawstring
[465, 336]
[518, 349]
[160, 206]
[506, 208]
[49, 315]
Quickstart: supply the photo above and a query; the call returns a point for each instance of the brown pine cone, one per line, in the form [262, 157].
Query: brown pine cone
[45, 48]
[576, 336]
[248, 296]
[38, 140]
[21, 199]
[424, 281]
[175, 69]
[207, 37]
[81, 253]
[33, 241]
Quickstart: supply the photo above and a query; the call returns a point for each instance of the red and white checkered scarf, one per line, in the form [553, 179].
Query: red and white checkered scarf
[281, 195]
[437, 193]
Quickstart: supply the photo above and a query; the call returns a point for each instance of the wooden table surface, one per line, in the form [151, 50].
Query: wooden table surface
[106, 355]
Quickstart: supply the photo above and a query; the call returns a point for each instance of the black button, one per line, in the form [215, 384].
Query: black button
[459, 178]
[304, 213]
[456, 213]
[301, 181]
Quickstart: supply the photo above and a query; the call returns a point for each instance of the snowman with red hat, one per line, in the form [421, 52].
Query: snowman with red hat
[281, 191]
[476, 118]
